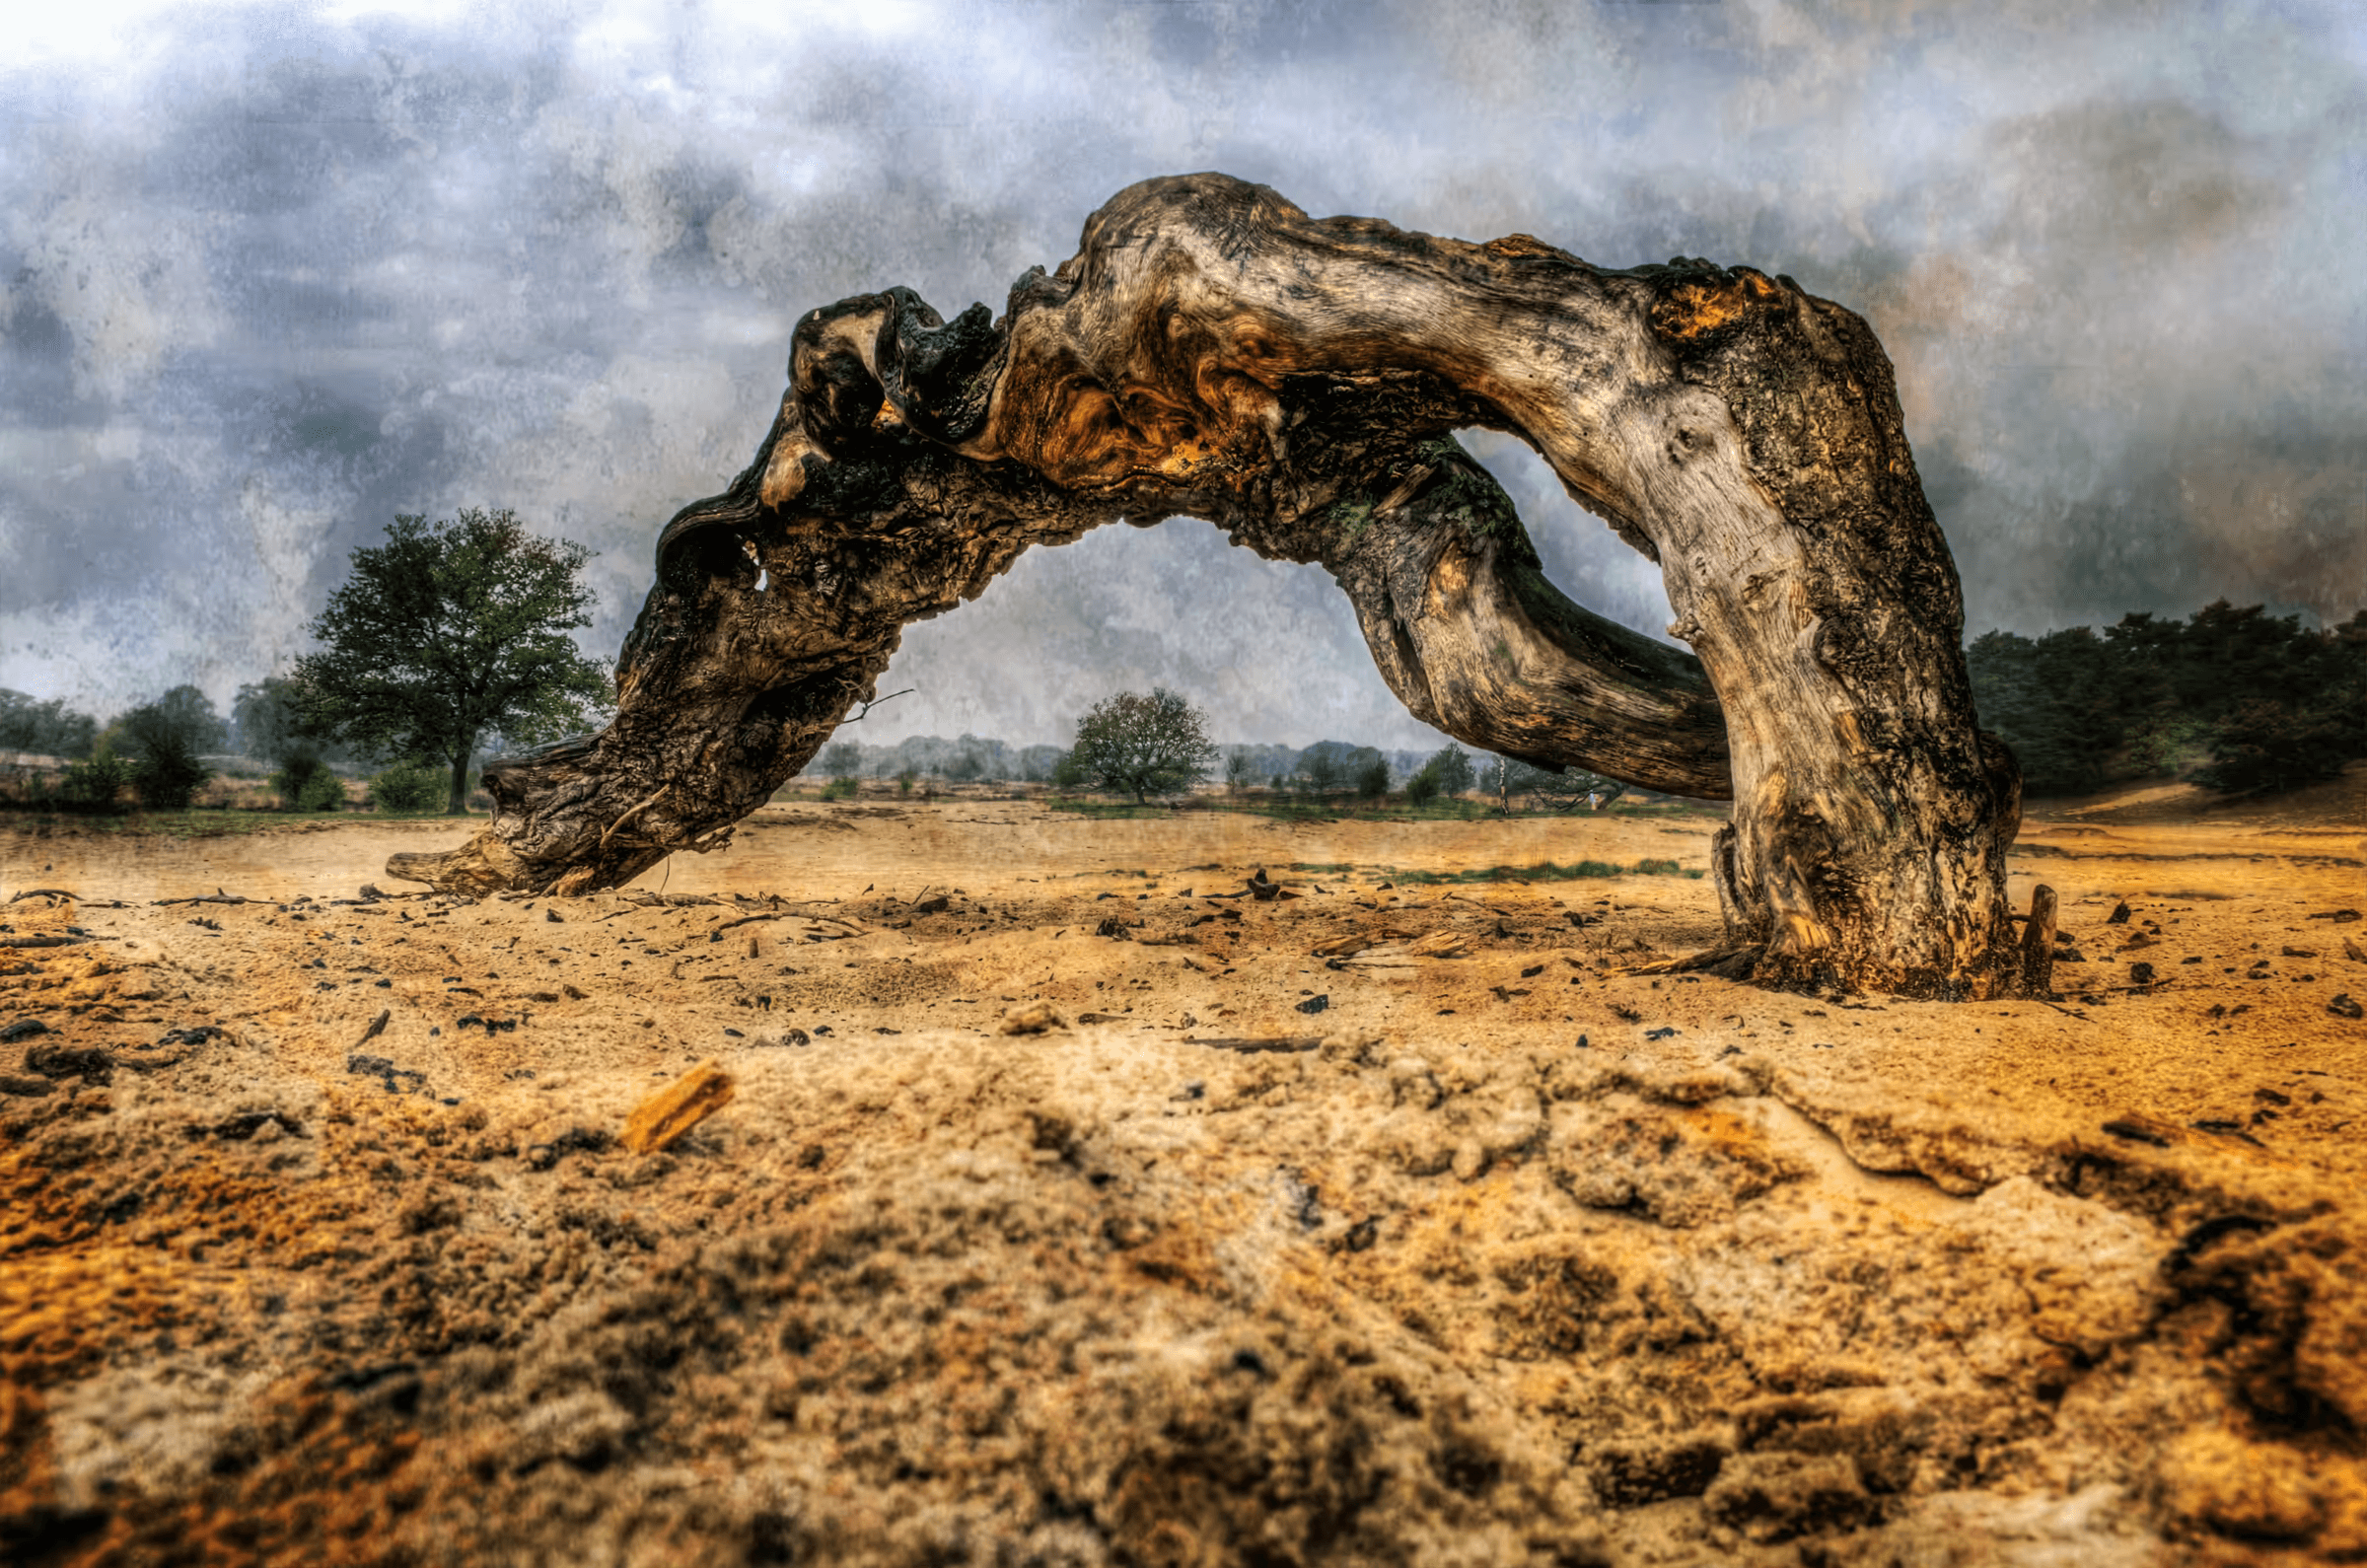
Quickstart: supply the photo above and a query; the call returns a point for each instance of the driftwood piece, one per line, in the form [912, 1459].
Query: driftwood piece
[1211, 351]
[662, 1118]
[1252, 1046]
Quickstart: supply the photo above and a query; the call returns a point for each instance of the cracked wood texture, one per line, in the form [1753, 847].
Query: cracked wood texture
[1212, 352]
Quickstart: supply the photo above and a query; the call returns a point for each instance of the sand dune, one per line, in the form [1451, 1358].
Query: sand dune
[1387, 1221]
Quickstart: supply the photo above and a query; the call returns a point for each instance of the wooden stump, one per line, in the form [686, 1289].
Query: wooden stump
[2037, 945]
[1211, 351]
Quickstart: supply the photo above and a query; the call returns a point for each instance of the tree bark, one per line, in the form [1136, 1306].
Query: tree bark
[457, 805]
[1211, 351]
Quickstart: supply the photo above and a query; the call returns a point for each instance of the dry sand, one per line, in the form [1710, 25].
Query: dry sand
[1500, 1256]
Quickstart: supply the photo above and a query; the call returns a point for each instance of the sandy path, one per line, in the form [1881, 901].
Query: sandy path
[1531, 1261]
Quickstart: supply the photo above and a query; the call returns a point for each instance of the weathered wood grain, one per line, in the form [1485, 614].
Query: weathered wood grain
[1213, 352]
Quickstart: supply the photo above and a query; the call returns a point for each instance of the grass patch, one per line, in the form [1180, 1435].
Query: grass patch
[199, 822]
[1328, 808]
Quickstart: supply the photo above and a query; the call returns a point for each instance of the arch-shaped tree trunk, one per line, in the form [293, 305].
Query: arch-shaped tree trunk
[1211, 351]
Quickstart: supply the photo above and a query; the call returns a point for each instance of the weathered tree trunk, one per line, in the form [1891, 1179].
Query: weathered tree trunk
[1211, 351]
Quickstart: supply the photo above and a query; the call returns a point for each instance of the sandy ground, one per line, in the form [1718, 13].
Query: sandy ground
[1384, 1222]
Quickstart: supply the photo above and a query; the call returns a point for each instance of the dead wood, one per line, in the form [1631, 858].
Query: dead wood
[665, 1116]
[1213, 352]
[1254, 1047]
[2038, 943]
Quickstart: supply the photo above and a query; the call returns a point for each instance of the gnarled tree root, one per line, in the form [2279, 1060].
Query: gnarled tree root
[1211, 351]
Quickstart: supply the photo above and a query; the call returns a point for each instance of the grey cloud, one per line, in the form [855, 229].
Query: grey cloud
[286, 276]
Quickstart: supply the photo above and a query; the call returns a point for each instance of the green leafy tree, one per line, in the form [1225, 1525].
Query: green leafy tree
[45, 729]
[450, 634]
[2255, 698]
[1447, 771]
[842, 760]
[2302, 727]
[1237, 772]
[184, 717]
[96, 784]
[267, 721]
[1144, 745]
[165, 740]
[307, 784]
[1320, 767]
[406, 787]
[1372, 778]
[2057, 700]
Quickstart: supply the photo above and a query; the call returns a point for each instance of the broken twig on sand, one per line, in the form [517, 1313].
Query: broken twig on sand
[677, 1107]
[1249, 1047]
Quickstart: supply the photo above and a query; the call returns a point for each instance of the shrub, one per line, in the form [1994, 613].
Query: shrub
[411, 787]
[1451, 772]
[1372, 779]
[168, 774]
[2272, 745]
[1422, 788]
[839, 789]
[306, 784]
[48, 729]
[96, 785]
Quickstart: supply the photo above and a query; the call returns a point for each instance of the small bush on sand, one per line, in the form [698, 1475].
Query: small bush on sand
[306, 784]
[168, 774]
[411, 787]
[96, 785]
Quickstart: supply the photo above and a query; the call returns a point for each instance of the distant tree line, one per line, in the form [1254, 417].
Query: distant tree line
[1139, 744]
[1326, 768]
[2234, 700]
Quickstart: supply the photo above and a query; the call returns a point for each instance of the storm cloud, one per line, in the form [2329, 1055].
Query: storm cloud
[270, 275]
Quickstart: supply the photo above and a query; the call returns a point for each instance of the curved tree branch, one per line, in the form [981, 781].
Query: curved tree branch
[1212, 351]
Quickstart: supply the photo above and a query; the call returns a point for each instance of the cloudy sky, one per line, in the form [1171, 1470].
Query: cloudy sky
[271, 274]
